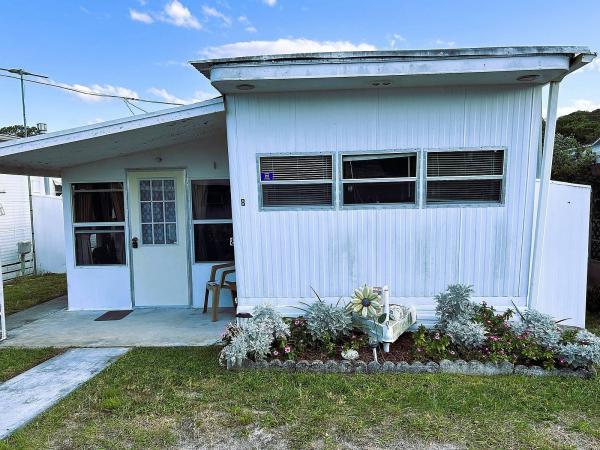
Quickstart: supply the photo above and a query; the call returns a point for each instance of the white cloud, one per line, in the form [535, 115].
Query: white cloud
[198, 96]
[270, 2]
[578, 105]
[281, 46]
[213, 12]
[99, 89]
[593, 66]
[179, 15]
[245, 21]
[139, 16]
[395, 39]
[445, 43]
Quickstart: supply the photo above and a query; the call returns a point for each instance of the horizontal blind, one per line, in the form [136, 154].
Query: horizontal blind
[464, 191]
[275, 195]
[465, 163]
[314, 167]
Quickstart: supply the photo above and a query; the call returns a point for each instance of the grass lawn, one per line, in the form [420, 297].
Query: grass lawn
[592, 322]
[180, 397]
[25, 292]
[13, 361]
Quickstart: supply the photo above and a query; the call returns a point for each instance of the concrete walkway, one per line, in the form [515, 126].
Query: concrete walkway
[29, 394]
[52, 325]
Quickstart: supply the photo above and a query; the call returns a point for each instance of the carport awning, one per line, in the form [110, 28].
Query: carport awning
[49, 154]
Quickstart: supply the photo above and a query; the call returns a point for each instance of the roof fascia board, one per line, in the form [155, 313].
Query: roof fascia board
[112, 127]
[205, 66]
[323, 69]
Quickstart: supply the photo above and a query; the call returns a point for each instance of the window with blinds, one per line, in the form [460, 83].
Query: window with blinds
[379, 178]
[296, 181]
[465, 176]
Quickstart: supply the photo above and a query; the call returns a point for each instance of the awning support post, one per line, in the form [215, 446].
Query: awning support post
[542, 204]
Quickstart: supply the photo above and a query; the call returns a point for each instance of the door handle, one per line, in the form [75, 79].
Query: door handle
[134, 242]
[231, 241]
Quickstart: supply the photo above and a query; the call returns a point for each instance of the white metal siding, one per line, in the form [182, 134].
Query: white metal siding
[417, 252]
[15, 224]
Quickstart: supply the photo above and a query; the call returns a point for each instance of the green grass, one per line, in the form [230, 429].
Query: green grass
[170, 397]
[13, 361]
[25, 292]
[592, 322]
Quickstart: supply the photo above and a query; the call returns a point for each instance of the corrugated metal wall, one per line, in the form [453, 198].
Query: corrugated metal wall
[417, 252]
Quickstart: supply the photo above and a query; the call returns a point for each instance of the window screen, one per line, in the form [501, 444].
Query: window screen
[99, 223]
[288, 181]
[465, 176]
[386, 178]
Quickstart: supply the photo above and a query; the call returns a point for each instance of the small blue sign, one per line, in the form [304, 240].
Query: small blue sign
[270, 176]
[262, 176]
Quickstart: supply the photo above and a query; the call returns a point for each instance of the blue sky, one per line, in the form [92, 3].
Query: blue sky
[140, 48]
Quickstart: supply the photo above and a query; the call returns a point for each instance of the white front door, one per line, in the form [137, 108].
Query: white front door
[159, 238]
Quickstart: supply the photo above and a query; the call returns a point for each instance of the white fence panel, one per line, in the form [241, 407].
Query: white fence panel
[49, 233]
[565, 253]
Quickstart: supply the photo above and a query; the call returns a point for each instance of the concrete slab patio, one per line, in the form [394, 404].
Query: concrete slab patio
[52, 325]
[31, 393]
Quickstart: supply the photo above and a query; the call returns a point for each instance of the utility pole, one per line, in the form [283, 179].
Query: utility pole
[21, 74]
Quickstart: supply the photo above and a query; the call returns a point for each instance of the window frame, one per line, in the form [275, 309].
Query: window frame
[341, 181]
[76, 225]
[205, 221]
[176, 223]
[333, 182]
[463, 203]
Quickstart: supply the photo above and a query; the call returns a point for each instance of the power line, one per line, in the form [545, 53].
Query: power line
[80, 91]
[129, 107]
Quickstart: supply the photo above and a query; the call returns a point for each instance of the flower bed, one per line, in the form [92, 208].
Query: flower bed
[525, 342]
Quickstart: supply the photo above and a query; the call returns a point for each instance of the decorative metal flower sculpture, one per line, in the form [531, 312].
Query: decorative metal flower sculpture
[365, 302]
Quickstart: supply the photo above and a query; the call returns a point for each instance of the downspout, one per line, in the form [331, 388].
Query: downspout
[542, 204]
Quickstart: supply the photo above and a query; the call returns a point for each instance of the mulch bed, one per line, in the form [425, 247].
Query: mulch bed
[401, 350]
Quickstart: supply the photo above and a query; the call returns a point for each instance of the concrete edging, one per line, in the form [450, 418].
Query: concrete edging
[444, 366]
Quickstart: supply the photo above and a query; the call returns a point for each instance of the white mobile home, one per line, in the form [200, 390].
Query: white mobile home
[415, 169]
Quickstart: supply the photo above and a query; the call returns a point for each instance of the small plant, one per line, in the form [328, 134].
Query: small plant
[255, 339]
[365, 302]
[454, 304]
[327, 323]
[430, 344]
[465, 333]
[583, 352]
[541, 327]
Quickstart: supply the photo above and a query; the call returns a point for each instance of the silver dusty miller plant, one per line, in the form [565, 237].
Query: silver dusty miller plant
[584, 352]
[327, 322]
[255, 338]
[455, 312]
[455, 304]
[542, 327]
[467, 334]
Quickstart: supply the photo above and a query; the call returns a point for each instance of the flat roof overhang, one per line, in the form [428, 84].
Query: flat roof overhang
[48, 154]
[395, 68]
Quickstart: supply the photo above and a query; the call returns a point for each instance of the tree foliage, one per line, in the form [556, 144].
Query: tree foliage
[582, 125]
[18, 130]
[572, 162]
